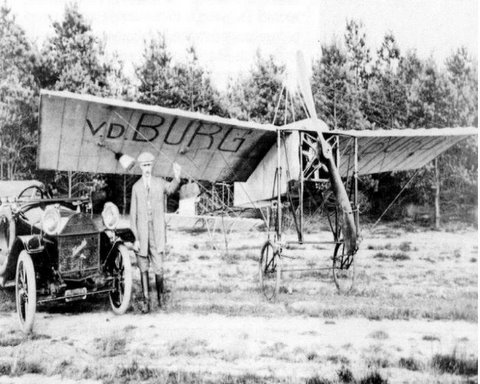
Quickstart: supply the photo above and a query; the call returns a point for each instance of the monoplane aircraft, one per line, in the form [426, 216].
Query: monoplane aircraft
[84, 133]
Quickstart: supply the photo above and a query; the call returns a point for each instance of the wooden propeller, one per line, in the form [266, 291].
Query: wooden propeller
[349, 228]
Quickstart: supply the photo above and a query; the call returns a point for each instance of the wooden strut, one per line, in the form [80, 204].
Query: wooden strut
[279, 186]
[297, 220]
[300, 205]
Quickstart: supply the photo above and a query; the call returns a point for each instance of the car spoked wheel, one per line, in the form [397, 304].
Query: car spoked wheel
[122, 281]
[25, 291]
[269, 271]
[343, 269]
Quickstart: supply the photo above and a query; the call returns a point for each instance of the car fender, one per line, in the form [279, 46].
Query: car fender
[20, 243]
[6, 215]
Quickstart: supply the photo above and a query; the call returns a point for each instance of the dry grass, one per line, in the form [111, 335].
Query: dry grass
[344, 376]
[410, 363]
[394, 256]
[189, 347]
[111, 345]
[135, 373]
[379, 335]
[7, 300]
[430, 338]
[19, 366]
[412, 286]
[455, 364]
[10, 340]
[419, 276]
[373, 378]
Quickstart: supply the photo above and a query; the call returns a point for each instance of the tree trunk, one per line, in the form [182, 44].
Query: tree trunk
[437, 195]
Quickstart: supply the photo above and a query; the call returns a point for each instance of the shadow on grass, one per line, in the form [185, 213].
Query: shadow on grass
[95, 303]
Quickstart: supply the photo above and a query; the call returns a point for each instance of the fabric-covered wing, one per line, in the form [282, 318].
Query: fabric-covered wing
[396, 149]
[207, 147]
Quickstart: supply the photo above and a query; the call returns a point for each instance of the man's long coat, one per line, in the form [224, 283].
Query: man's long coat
[138, 211]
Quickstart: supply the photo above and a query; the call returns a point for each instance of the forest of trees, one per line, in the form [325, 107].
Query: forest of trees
[354, 88]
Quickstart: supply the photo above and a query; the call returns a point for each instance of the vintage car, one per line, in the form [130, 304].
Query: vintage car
[55, 249]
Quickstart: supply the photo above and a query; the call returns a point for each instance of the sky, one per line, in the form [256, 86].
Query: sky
[227, 33]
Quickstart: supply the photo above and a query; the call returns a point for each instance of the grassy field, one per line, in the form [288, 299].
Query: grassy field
[412, 317]
[400, 275]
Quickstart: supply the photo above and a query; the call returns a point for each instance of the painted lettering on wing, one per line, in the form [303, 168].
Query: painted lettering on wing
[187, 134]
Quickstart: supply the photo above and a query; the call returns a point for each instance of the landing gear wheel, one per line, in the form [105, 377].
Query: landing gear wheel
[343, 269]
[270, 270]
[122, 282]
[25, 291]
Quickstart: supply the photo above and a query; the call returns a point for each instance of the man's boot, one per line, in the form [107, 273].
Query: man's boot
[145, 307]
[160, 289]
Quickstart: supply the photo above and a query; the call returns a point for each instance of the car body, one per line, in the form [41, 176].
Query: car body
[55, 249]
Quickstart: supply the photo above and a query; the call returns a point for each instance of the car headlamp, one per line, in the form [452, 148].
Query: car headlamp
[110, 215]
[51, 220]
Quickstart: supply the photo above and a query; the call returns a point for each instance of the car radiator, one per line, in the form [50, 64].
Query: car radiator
[78, 254]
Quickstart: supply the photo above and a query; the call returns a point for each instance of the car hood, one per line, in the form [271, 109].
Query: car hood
[78, 223]
[72, 222]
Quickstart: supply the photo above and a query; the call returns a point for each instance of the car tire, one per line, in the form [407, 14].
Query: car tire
[25, 291]
[122, 293]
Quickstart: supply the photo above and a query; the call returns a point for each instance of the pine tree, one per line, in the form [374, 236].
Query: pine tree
[459, 165]
[329, 86]
[386, 106]
[18, 100]
[255, 96]
[359, 62]
[155, 74]
[184, 86]
[74, 59]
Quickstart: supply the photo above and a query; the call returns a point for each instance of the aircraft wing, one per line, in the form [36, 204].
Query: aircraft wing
[395, 149]
[83, 133]
[378, 151]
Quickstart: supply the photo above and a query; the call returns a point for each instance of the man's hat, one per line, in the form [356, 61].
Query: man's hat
[145, 157]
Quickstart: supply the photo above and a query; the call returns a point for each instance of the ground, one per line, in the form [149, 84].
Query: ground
[412, 317]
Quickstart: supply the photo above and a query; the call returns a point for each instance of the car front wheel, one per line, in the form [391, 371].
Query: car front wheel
[122, 281]
[25, 291]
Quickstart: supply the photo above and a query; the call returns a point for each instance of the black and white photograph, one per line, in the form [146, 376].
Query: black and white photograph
[238, 192]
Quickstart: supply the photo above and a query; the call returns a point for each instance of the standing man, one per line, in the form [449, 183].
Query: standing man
[147, 220]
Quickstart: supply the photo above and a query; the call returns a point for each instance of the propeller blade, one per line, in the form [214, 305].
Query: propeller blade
[306, 92]
[304, 85]
[343, 203]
